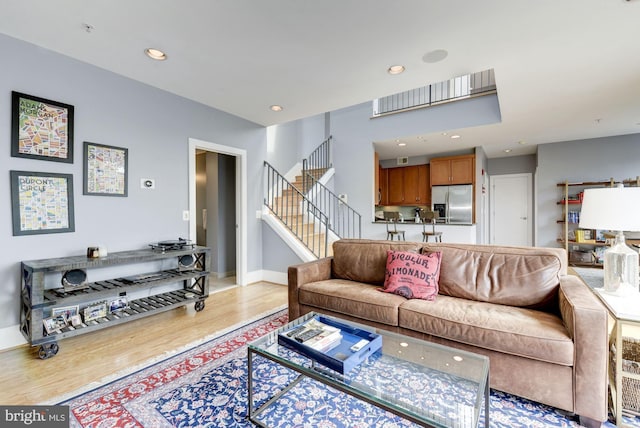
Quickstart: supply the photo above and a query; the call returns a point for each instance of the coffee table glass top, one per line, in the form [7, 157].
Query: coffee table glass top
[431, 384]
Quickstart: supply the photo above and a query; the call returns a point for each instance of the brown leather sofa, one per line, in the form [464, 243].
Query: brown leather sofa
[543, 330]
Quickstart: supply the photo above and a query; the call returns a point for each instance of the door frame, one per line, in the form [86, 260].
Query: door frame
[241, 199]
[492, 207]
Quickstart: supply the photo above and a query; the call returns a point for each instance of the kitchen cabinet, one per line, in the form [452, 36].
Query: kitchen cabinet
[383, 186]
[416, 185]
[452, 170]
[396, 186]
[405, 186]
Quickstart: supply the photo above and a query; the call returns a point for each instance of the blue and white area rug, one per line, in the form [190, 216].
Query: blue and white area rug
[206, 386]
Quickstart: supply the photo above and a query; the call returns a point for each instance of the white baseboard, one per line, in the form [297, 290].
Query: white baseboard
[221, 275]
[275, 277]
[10, 337]
[267, 275]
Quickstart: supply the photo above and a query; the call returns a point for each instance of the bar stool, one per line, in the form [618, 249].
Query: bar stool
[430, 217]
[392, 218]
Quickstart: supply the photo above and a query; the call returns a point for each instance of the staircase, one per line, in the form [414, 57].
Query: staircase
[297, 214]
[308, 210]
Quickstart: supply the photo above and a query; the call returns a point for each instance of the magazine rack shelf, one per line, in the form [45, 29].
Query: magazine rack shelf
[188, 266]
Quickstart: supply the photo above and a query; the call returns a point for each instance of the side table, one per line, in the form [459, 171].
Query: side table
[624, 309]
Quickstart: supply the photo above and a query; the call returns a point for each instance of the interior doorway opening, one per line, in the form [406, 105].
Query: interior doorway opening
[215, 217]
[217, 209]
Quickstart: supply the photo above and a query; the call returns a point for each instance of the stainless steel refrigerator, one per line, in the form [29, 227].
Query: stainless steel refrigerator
[453, 203]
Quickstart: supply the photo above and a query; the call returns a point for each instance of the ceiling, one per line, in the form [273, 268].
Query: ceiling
[565, 70]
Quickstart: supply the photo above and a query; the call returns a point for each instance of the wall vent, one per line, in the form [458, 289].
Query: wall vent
[403, 160]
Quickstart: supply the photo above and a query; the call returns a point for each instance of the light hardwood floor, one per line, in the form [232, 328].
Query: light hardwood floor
[84, 359]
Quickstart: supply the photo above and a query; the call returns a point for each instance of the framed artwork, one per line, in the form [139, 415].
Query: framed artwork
[41, 202]
[95, 311]
[118, 304]
[54, 324]
[66, 311]
[105, 170]
[41, 129]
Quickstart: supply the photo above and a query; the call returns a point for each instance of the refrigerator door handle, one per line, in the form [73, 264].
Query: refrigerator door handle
[447, 207]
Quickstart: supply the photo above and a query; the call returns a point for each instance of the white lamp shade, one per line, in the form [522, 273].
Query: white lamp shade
[611, 208]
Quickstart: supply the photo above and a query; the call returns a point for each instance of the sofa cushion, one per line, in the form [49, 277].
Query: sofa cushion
[411, 275]
[364, 260]
[527, 277]
[517, 331]
[352, 298]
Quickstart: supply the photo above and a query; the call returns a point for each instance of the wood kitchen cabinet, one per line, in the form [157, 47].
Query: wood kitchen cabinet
[396, 186]
[452, 170]
[416, 185]
[383, 186]
[406, 186]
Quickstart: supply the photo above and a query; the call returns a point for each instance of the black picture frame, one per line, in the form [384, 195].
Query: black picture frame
[106, 170]
[41, 202]
[41, 128]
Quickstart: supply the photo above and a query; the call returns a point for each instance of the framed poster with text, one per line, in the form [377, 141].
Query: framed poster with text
[41, 202]
[105, 170]
[41, 129]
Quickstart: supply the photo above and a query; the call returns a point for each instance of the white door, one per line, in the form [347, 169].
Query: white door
[510, 209]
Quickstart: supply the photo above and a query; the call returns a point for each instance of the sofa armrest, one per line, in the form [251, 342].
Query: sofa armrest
[586, 318]
[317, 270]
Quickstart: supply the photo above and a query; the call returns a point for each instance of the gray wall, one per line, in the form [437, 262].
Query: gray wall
[109, 109]
[291, 142]
[277, 256]
[226, 213]
[512, 165]
[594, 159]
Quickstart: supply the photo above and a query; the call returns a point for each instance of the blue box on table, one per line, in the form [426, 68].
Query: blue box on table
[340, 357]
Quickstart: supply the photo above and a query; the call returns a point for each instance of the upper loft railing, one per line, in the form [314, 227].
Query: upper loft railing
[469, 85]
[297, 212]
[318, 162]
[344, 221]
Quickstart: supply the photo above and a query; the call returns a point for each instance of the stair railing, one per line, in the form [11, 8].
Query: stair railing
[344, 221]
[318, 162]
[292, 207]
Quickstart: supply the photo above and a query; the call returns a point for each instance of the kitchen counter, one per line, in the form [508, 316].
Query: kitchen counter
[458, 233]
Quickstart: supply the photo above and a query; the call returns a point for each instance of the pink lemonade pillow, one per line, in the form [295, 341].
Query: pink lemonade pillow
[412, 275]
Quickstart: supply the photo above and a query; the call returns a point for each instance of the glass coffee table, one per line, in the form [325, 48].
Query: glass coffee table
[426, 383]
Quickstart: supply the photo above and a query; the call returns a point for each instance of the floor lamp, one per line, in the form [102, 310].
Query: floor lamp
[616, 209]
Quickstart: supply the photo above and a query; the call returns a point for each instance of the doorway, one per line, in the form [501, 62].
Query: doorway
[510, 209]
[221, 220]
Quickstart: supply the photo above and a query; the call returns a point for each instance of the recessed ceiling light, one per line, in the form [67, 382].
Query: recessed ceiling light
[444, 133]
[507, 150]
[402, 144]
[396, 69]
[522, 143]
[276, 107]
[156, 54]
[455, 136]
